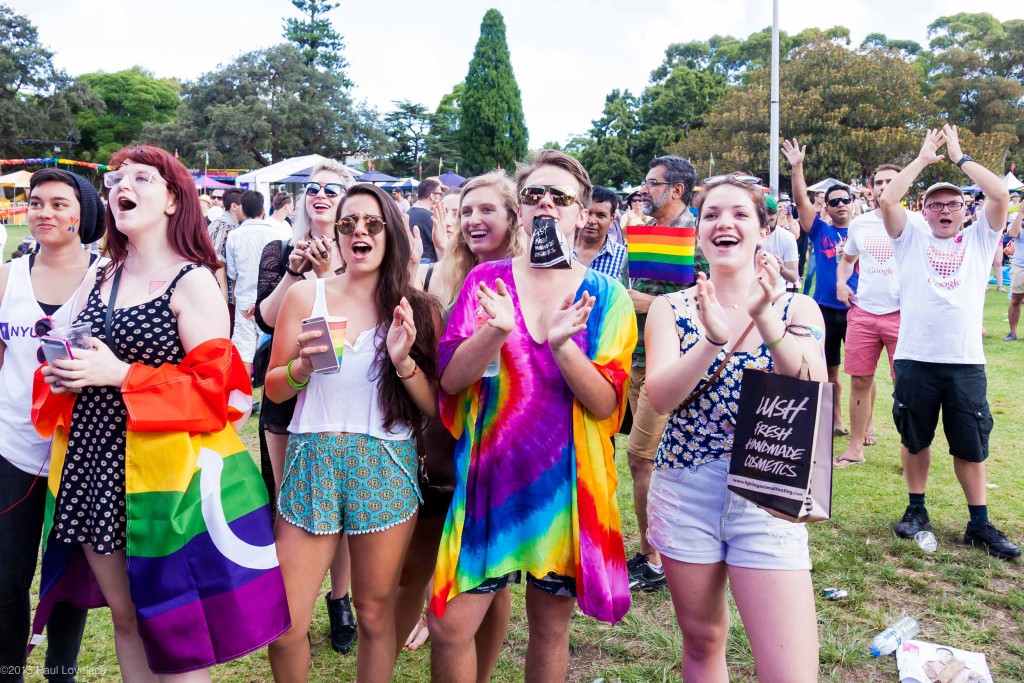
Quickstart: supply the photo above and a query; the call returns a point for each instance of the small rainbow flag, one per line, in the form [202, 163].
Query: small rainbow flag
[337, 326]
[658, 252]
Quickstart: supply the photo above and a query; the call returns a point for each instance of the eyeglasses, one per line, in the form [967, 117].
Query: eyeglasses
[839, 200]
[331, 190]
[531, 195]
[745, 179]
[136, 178]
[651, 182]
[347, 224]
[938, 206]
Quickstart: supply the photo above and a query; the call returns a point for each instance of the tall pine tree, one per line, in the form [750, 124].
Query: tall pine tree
[493, 130]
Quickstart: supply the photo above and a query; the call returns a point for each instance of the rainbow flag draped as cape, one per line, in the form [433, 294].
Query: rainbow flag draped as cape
[657, 252]
[202, 567]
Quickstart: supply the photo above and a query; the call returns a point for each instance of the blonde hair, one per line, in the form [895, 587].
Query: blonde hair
[300, 225]
[459, 259]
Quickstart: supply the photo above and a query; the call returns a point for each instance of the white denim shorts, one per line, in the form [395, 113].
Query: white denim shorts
[693, 517]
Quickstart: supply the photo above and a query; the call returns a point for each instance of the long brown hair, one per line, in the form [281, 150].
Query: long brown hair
[186, 227]
[393, 283]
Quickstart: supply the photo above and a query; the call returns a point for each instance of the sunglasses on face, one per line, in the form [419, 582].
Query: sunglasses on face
[839, 200]
[347, 224]
[531, 195]
[331, 190]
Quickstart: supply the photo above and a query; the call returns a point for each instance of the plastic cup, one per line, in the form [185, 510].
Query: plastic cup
[337, 325]
[79, 335]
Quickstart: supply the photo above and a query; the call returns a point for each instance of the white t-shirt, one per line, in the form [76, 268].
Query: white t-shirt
[942, 292]
[878, 285]
[781, 243]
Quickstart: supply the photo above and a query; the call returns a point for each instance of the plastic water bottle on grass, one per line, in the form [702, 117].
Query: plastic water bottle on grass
[926, 541]
[887, 642]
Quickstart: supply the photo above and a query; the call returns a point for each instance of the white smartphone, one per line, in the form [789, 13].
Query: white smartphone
[55, 348]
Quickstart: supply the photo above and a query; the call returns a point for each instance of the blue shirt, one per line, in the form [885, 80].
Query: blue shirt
[611, 259]
[828, 242]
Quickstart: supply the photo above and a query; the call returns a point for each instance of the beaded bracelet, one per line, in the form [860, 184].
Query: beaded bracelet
[415, 371]
[297, 386]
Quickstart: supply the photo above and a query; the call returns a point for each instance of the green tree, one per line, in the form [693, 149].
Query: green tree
[131, 98]
[493, 129]
[37, 100]
[611, 149]
[266, 106]
[315, 37]
[407, 128]
[444, 144]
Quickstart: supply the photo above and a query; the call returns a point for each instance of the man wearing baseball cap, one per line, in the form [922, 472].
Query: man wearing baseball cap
[940, 363]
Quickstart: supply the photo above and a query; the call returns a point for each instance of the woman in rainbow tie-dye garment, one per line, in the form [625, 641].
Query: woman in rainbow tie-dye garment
[535, 478]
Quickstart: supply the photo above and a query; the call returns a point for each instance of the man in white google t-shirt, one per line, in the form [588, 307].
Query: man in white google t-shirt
[873, 323]
[940, 363]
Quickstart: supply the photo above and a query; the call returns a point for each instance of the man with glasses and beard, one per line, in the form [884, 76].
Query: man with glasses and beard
[940, 361]
[665, 198]
[828, 241]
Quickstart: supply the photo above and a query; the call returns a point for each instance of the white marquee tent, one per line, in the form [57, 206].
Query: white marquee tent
[262, 178]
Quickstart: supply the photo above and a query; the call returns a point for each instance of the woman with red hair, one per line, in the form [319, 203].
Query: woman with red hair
[154, 311]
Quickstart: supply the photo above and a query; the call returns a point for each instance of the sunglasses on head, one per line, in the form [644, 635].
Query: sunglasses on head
[331, 190]
[531, 195]
[347, 224]
[746, 179]
[839, 200]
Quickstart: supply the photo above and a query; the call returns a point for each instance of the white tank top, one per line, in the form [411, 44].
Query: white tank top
[19, 311]
[347, 401]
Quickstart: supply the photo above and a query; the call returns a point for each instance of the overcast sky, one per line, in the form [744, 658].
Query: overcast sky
[567, 54]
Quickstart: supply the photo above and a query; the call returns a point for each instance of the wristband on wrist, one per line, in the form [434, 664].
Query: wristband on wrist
[415, 371]
[297, 386]
[714, 343]
[292, 272]
[777, 341]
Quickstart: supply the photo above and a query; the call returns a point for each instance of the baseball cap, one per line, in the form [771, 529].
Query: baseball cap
[941, 186]
[769, 201]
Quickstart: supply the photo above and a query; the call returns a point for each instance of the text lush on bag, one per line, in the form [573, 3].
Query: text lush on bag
[782, 447]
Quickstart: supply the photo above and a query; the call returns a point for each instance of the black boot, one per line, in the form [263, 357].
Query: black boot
[343, 623]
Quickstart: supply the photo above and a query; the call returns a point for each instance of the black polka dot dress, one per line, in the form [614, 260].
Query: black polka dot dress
[91, 501]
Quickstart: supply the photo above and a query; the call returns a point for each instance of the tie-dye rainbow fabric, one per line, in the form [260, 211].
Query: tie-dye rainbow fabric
[535, 476]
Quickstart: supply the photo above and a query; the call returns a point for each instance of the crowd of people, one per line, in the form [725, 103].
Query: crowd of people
[443, 386]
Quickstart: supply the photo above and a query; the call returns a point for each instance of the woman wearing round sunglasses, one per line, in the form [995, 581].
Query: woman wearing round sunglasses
[351, 463]
[158, 325]
[311, 253]
[38, 293]
[535, 480]
[487, 229]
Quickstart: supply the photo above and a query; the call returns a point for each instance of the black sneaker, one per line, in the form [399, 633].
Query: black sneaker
[915, 519]
[992, 540]
[343, 623]
[634, 564]
[648, 580]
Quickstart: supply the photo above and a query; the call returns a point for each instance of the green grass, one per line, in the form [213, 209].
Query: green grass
[960, 596]
[15, 234]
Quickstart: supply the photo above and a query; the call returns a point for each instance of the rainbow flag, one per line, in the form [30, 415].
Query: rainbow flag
[202, 566]
[658, 252]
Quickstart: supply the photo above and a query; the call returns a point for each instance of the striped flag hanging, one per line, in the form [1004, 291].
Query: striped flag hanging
[658, 252]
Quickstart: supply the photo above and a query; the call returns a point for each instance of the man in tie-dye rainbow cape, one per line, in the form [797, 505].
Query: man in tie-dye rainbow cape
[201, 562]
[535, 476]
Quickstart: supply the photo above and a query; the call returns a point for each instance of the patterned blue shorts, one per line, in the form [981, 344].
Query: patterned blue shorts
[355, 484]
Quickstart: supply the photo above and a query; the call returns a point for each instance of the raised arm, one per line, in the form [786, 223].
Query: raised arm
[893, 216]
[1013, 231]
[795, 154]
[991, 184]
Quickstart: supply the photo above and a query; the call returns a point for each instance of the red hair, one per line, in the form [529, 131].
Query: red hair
[186, 230]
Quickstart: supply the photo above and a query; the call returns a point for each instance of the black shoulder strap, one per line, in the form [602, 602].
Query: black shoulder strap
[109, 316]
[426, 278]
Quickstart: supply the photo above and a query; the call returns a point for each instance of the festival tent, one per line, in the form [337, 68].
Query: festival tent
[451, 179]
[824, 185]
[375, 177]
[1011, 182]
[405, 184]
[209, 183]
[16, 179]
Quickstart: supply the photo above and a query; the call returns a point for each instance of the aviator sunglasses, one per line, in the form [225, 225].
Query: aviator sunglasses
[347, 224]
[531, 195]
[331, 190]
[839, 200]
